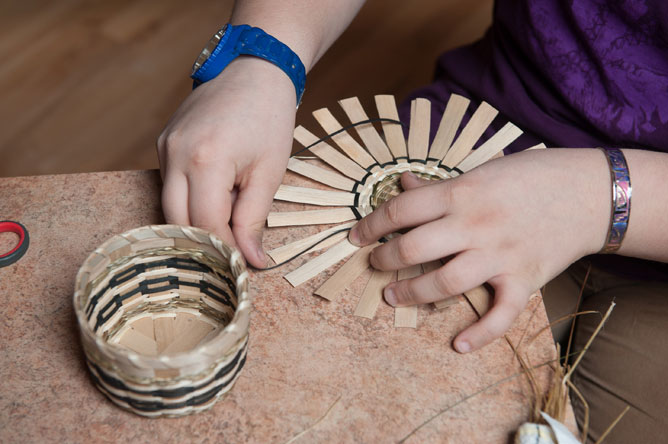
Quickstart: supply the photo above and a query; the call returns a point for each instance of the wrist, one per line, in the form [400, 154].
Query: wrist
[234, 41]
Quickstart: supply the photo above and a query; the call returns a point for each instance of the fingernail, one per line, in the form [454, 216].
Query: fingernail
[462, 346]
[354, 238]
[390, 297]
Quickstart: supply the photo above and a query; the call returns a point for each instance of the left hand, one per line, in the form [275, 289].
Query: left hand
[514, 222]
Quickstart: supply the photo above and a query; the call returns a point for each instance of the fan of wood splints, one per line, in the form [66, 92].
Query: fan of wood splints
[361, 176]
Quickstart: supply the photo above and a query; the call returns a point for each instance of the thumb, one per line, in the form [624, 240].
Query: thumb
[509, 301]
[251, 207]
[410, 181]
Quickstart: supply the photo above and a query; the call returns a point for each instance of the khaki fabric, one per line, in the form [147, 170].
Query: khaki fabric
[627, 362]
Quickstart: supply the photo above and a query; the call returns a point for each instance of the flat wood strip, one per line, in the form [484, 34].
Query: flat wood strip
[406, 317]
[314, 196]
[418, 133]
[326, 177]
[329, 155]
[447, 129]
[139, 342]
[347, 144]
[374, 143]
[497, 155]
[285, 252]
[480, 299]
[309, 217]
[540, 146]
[373, 293]
[445, 303]
[319, 264]
[188, 339]
[475, 127]
[504, 137]
[183, 322]
[394, 133]
[144, 326]
[430, 266]
[163, 328]
[346, 274]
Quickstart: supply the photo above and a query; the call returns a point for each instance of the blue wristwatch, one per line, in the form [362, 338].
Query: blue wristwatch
[233, 41]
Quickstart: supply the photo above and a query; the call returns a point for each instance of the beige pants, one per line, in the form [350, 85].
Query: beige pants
[627, 363]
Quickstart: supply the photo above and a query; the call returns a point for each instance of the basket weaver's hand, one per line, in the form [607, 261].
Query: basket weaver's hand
[515, 223]
[224, 153]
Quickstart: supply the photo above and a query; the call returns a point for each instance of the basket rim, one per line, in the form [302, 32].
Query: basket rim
[236, 329]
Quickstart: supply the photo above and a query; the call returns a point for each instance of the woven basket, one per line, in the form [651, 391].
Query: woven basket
[163, 313]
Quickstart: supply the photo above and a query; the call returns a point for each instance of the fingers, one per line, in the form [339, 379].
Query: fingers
[428, 242]
[250, 213]
[464, 272]
[210, 202]
[410, 208]
[175, 198]
[509, 301]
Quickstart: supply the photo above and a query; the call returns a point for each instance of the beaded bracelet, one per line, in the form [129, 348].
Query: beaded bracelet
[621, 199]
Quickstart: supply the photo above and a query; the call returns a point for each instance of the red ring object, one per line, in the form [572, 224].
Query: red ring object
[8, 226]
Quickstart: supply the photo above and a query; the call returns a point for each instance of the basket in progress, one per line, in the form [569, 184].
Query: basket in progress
[362, 173]
[163, 312]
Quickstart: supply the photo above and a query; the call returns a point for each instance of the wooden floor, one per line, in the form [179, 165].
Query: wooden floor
[88, 85]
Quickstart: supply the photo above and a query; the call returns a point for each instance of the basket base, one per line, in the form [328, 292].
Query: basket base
[167, 332]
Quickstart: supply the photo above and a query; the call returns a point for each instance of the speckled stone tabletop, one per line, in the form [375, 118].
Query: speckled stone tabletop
[305, 352]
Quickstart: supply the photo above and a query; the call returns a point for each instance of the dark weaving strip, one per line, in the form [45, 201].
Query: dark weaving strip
[174, 262]
[173, 393]
[171, 283]
[303, 251]
[152, 406]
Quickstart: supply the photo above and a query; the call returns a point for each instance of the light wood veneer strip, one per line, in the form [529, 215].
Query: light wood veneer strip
[394, 133]
[475, 127]
[310, 217]
[495, 144]
[445, 303]
[374, 143]
[347, 144]
[285, 252]
[480, 299]
[345, 275]
[407, 316]
[447, 129]
[163, 328]
[319, 264]
[188, 339]
[373, 293]
[329, 155]
[136, 341]
[314, 196]
[331, 178]
[418, 135]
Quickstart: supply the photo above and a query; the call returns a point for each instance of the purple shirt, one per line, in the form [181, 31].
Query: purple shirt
[571, 73]
[579, 73]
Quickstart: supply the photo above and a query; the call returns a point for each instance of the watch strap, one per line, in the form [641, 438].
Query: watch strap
[256, 42]
[246, 40]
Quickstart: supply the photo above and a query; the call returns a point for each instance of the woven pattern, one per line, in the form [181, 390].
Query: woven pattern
[164, 313]
[362, 173]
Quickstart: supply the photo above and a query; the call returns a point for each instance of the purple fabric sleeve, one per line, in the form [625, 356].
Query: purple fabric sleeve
[578, 73]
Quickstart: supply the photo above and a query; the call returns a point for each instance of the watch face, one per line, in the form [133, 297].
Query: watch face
[208, 49]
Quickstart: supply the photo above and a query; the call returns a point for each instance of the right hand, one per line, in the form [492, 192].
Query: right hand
[224, 152]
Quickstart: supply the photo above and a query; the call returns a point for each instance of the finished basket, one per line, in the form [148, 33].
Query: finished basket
[164, 313]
